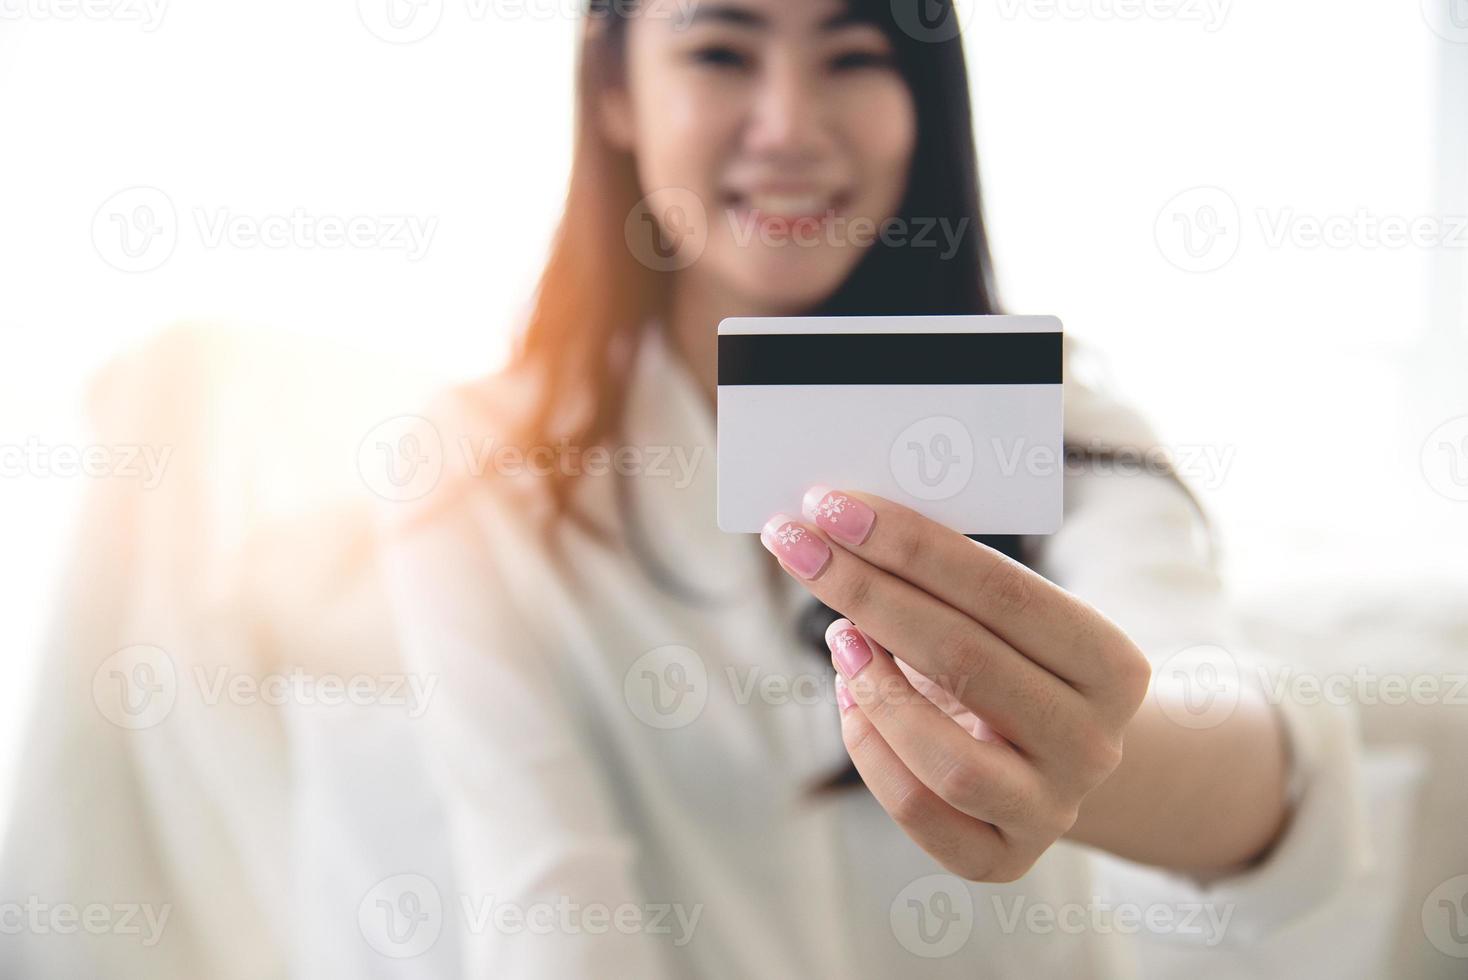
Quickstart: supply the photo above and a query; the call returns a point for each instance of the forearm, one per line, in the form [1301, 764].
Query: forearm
[1206, 799]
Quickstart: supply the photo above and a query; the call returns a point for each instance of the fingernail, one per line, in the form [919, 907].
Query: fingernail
[844, 699]
[803, 552]
[844, 518]
[848, 648]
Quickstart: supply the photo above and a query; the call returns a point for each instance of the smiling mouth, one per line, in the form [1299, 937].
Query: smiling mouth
[787, 208]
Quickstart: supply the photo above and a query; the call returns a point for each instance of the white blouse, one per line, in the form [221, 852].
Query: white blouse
[626, 774]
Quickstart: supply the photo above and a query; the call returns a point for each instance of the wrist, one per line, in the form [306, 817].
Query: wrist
[1212, 799]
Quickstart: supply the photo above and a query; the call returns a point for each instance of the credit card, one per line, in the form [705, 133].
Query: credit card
[959, 417]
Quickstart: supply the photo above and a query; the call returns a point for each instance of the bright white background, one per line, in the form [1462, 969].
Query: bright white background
[1318, 371]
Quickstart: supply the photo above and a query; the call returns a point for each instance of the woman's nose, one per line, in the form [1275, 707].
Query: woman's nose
[787, 117]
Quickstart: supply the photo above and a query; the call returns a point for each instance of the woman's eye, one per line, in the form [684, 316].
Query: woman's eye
[720, 57]
[858, 60]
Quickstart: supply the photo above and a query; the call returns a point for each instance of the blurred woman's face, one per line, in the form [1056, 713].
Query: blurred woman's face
[789, 124]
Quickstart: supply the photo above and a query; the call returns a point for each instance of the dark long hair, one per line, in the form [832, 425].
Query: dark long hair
[594, 298]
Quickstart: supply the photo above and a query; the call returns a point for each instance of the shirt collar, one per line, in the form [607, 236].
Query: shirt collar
[669, 428]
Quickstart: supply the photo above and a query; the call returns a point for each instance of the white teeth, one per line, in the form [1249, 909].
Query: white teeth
[789, 204]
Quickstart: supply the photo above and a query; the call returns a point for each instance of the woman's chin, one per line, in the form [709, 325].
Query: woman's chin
[789, 287]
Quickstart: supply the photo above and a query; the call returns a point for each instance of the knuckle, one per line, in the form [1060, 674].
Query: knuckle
[883, 701]
[1012, 868]
[1008, 588]
[957, 780]
[1137, 678]
[970, 867]
[858, 734]
[1047, 710]
[855, 596]
[1112, 756]
[1013, 809]
[1045, 704]
[1064, 819]
[908, 545]
[1099, 753]
[961, 647]
[1126, 668]
[910, 805]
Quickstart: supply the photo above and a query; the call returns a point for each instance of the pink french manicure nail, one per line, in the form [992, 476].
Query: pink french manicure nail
[802, 551]
[844, 518]
[848, 648]
[844, 699]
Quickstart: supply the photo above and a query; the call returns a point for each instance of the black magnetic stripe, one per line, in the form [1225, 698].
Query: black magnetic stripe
[890, 359]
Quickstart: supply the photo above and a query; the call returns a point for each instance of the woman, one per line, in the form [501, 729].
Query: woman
[621, 722]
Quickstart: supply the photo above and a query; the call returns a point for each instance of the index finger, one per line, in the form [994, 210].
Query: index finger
[1029, 612]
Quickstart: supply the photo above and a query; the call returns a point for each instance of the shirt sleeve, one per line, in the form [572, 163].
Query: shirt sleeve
[546, 874]
[1134, 546]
